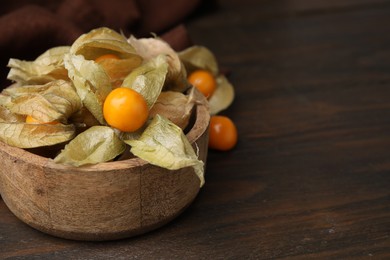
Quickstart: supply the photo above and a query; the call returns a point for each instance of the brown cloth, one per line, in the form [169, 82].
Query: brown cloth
[29, 27]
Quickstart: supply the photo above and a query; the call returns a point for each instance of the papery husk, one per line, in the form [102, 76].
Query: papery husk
[96, 144]
[164, 144]
[148, 79]
[149, 48]
[84, 118]
[102, 41]
[47, 67]
[7, 116]
[53, 56]
[35, 135]
[222, 97]
[174, 106]
[54, 101]
[118, 70]
[199, 57]
[91, 81]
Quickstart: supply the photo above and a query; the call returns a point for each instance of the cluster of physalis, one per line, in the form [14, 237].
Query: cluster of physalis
[106, 93]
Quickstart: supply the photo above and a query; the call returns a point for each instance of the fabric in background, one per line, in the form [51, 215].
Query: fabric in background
[29, 27]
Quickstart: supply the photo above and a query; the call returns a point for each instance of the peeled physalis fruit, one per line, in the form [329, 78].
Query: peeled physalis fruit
[204, 81]
[125, 109]
[200, 58]
[222, 133]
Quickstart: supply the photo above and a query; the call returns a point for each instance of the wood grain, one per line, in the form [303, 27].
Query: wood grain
[106, 201]
[309, 177]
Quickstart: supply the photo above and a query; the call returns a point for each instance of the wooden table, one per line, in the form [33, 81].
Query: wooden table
[310, 176]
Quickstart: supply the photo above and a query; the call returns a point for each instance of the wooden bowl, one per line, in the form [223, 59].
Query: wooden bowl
[105, 201]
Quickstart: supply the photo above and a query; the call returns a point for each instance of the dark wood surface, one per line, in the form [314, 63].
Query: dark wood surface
[310, 176]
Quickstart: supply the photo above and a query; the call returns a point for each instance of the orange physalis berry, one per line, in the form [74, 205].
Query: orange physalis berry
[222, 133]
[204, 81]
[125, 109]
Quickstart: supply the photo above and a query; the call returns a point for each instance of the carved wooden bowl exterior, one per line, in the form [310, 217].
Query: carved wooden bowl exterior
[105, 201]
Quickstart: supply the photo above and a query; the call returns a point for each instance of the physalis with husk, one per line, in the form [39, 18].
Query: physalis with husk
[205, 76]
[66, 99]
